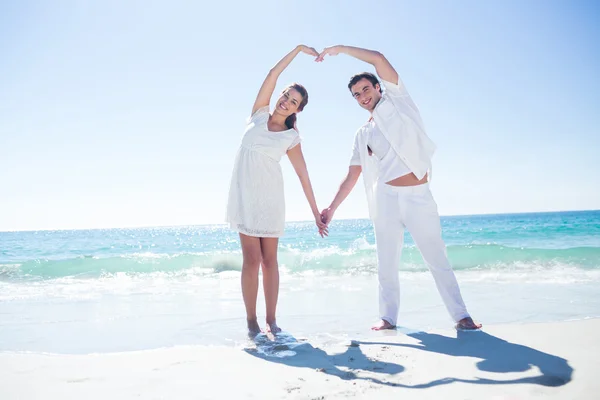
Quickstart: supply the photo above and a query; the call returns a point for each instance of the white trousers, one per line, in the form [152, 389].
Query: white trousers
[413, 208]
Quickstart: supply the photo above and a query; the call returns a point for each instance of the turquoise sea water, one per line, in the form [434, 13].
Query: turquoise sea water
[93, 290]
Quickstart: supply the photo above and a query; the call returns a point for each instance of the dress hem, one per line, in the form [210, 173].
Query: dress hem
[254, 233]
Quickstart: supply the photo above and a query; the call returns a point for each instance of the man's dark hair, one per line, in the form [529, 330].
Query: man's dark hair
[365, 75]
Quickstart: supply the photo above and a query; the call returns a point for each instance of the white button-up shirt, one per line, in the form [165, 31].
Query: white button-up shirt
[398, 118]
[389, 163]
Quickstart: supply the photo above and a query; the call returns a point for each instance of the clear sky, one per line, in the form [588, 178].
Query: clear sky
[129, 113]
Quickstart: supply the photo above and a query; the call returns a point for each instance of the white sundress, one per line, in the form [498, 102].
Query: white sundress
[256, 205]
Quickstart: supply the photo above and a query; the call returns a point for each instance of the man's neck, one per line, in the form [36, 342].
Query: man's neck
[371, 111]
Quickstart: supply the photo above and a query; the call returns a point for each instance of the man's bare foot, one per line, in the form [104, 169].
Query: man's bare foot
[272, 327]
[467, 324]
[381, 325]
[253, 328]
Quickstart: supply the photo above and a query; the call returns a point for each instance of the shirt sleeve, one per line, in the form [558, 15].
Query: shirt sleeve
[395, 90]
[355, 160]
[399, 95]
[259, 115]
[295, 142]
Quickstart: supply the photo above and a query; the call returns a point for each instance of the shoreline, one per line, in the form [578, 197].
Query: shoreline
[365, 336]
[545, 360]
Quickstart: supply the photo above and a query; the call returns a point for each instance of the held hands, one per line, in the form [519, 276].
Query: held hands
[331, 50]
[323, 220]
[323, 229]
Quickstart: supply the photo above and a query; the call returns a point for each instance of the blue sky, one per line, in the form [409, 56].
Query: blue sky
[117, 114]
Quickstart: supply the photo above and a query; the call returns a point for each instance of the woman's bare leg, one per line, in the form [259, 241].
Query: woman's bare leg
[270, 269]
[251, 251]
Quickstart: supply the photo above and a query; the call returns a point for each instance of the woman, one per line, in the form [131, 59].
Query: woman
[256, 207]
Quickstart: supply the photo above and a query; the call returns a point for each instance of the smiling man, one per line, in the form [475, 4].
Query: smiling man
[394, 153]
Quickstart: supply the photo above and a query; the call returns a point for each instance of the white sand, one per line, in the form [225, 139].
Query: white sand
[556, 360]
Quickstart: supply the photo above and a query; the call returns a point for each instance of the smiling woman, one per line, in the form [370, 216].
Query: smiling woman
[297, 96]
[256, 206]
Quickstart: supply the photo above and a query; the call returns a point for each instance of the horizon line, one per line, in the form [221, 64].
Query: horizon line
[287, 222]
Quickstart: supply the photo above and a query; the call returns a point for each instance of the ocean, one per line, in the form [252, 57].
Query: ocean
[111, 290]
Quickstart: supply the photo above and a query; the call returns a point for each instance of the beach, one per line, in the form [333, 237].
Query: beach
[136, 140]
[544, 360]
[157, 313]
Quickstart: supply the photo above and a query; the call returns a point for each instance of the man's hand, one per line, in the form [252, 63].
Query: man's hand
[384, 69]
[327, 215]
[332, 51]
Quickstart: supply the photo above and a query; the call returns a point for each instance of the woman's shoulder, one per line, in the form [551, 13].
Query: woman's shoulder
[262, 114]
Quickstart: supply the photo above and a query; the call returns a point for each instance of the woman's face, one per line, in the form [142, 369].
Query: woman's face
[288, 102]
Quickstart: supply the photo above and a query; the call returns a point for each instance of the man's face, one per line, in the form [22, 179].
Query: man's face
[366, 94]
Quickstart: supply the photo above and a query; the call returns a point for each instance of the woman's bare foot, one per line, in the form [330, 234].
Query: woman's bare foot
[381, 325]
[467, 324]
[253, 328]
[272, 327]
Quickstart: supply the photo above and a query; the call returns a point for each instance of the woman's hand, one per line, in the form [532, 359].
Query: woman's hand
[323, 229]
[308, 50]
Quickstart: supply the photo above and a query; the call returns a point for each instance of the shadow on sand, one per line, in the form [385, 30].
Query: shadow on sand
[495, 354]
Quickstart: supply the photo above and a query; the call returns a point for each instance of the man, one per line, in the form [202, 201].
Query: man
[394, 154]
